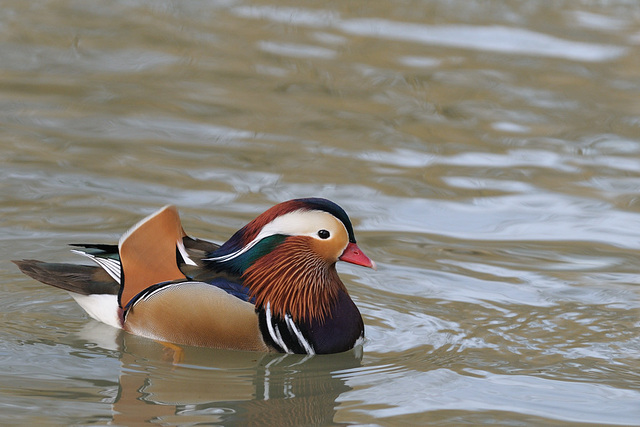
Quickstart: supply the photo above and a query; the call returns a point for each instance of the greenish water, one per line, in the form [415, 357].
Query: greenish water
[487, 153]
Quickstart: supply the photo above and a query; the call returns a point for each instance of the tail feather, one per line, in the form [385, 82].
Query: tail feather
[79, 279]
[99, 249]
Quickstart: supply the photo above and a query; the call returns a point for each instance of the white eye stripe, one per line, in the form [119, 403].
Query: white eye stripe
[296, 223]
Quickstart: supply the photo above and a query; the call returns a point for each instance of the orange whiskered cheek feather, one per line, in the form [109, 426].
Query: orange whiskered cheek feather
[294, 279]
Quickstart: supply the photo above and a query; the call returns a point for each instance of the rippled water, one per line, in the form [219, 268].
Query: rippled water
[487, 152]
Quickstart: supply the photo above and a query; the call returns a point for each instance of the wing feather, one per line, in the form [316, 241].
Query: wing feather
[148, 253]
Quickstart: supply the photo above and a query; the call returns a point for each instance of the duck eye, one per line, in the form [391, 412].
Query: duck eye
[323, 234]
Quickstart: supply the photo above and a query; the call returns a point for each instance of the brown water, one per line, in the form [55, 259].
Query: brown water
[487, 152]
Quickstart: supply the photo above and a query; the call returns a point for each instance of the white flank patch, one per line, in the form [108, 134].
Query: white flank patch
[102, 307]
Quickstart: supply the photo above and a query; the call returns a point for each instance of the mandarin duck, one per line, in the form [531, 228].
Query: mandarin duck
[273, 286]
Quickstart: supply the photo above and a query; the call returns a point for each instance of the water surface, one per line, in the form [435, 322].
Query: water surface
[487, 153]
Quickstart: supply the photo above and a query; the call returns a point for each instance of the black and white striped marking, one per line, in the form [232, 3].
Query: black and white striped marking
[286, 334]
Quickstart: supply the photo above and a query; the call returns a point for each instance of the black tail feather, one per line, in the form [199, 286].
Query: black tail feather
[102, 247]
[80, 279]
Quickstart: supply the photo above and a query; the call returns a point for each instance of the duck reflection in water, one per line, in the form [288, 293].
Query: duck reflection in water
[225, 386]
[272, 288]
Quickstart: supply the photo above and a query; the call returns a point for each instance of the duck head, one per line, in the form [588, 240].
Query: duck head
[287, 257]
